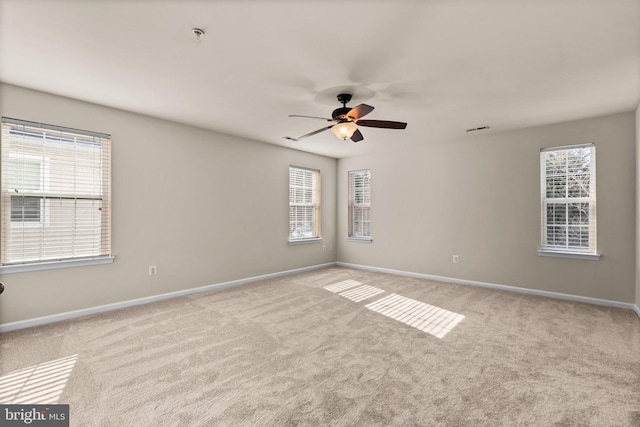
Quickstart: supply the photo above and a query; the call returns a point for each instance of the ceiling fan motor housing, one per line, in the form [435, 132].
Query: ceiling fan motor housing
[340, 114]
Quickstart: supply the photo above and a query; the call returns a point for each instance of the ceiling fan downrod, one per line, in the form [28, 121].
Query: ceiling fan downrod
[340, 114]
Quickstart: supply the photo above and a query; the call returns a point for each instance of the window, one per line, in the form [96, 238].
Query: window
[55, 201]
[25, 209]
[360, 205]
[304, 204]
[568, 189]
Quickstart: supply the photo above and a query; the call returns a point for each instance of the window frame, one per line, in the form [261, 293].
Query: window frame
[353, 204]
[24, 220]
[311, 204]
[564, 202]
[57, 184]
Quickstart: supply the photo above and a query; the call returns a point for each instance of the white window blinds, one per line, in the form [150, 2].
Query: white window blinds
[304, 203]
[360, 204]
[55, 201]
[569, 199]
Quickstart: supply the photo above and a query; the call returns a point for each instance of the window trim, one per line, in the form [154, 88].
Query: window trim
[50, 265]
[351, 203]
[316, 205]
[590, 253]
[568, 254]
[305, 240]
[360, 239]
[61, 260]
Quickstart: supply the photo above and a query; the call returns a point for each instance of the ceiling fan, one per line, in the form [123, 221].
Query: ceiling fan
[346, 121]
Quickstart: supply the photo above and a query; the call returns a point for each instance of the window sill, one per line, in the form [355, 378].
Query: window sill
[302, 241]
[360, 239]
[575, 255]
[49, 265]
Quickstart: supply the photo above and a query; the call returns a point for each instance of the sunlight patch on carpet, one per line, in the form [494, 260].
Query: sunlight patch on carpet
[427, 318]
[361, 293]
[341, 286]
[39, 384]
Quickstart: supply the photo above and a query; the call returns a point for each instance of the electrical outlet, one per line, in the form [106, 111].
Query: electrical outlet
[324, 248]
[456, 259]
[153, 270]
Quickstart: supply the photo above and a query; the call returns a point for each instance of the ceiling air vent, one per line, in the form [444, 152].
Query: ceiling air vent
[477, 129]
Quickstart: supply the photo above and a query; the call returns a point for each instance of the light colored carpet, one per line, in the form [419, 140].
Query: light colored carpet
[307, 349]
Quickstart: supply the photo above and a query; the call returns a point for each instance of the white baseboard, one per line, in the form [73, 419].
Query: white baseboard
[6, 327]
[556, 295]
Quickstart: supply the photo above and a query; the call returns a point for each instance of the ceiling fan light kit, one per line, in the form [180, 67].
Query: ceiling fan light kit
[347, 121]
[344, 130]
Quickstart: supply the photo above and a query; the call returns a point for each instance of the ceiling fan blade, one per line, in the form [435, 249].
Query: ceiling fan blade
[310, 133]
[311, 117]
[382, 124]
[357, 136]
[359, 111]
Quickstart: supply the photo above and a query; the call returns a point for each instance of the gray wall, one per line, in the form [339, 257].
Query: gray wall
[204, 207]
[637, 205]
[479, 197]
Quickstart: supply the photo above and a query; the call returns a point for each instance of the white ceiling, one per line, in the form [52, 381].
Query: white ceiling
[442, 66]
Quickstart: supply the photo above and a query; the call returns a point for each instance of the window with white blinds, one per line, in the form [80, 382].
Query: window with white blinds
[360, 204]
[304, 204]
[568, 184]
[55, 201]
